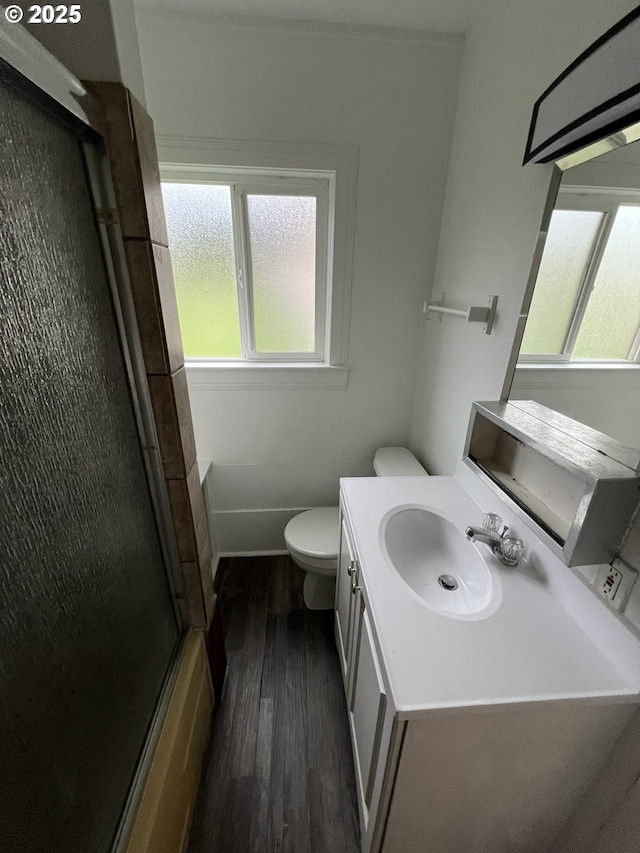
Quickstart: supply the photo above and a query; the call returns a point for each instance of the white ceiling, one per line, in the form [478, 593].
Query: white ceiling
[446, 16]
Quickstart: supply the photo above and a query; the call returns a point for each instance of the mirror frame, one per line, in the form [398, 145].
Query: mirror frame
[582, 155]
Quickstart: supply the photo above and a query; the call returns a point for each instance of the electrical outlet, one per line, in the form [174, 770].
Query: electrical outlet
[609, 584]
[615, 582]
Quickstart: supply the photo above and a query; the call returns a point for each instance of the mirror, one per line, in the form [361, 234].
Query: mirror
[579, 352]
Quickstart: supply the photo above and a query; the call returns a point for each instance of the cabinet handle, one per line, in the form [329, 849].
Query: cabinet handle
[351, 568]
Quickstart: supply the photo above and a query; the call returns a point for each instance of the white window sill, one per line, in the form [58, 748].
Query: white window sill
[285, 376]
[574, 376]
[577, 365]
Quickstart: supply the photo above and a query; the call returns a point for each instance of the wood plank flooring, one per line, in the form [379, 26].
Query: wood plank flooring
[278, 773]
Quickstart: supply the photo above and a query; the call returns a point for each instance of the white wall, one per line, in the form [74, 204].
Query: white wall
[493, 210]
[493, 205]
[102, 46]
[492, 215]
[391, 94]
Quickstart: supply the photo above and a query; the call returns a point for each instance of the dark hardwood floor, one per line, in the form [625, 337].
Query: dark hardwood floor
[278, 773]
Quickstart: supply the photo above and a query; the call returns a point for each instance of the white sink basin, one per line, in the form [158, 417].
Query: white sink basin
[435, 560]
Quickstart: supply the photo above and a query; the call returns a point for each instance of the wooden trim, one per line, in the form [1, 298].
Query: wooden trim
[163, 816]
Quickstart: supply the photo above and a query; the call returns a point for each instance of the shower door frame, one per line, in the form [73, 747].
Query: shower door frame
[55, 88]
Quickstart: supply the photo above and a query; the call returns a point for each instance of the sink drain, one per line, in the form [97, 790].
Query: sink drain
[448, 582]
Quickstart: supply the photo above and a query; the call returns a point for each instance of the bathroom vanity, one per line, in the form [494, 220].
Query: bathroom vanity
[479, 715]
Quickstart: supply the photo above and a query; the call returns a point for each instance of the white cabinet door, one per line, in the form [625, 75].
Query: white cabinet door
[366, 708]
[344, 599]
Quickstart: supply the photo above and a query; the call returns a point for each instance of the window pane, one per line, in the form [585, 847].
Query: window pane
[282, 236]
[611, 320]
[566, 254]
[201, 240]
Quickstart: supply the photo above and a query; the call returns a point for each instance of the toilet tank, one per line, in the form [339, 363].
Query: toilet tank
[397, 462]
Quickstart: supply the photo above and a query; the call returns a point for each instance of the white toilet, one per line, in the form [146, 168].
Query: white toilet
[313, 537]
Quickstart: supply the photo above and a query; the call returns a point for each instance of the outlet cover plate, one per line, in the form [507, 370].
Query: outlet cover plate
[615, 582]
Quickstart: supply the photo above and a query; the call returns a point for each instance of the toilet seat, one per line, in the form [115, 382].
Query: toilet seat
[314, 535]
[311, 564]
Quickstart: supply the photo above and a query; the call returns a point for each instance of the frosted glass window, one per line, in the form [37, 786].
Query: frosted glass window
[250, 252]
[586, 304]
[282, 236]
[200, 229]
[610, 324]
[567, 251]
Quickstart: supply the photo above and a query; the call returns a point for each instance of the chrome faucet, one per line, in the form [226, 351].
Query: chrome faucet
[506, 548]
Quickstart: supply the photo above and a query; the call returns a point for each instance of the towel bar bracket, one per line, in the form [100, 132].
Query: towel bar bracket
[473, 314]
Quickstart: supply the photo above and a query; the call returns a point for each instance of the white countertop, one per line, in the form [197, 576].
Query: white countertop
[528, 650]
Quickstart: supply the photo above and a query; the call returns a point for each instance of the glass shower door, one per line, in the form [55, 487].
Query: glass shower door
[88, 628]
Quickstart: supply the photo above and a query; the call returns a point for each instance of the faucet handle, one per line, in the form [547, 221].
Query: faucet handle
[511, 550]
[491, 522]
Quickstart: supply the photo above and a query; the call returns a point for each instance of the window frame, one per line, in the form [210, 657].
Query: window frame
[250, 182]
[183, 156]
[605, 201]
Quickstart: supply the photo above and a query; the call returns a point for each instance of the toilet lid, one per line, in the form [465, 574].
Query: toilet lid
[315, 532]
